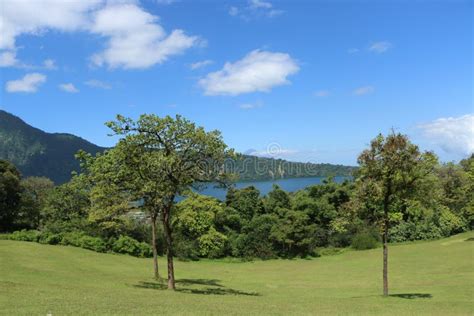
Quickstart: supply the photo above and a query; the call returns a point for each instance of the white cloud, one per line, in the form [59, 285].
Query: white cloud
[68, 87]
[322, 93]
[364, 90]
[452, 134]
[29, 83]
[35, 17]
[380, 47]
[135, 40]
[94, 83]
[257, 71]
[166, 2]
[8, 59]
[49, 64]
[200, 64]
[255, 9]
[234, 11]
[250, 106]
[260, 4]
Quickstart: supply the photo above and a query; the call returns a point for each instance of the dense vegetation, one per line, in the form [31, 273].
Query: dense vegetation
[125, 200]
[40, 154]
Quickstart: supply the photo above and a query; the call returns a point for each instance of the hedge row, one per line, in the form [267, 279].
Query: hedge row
[124, 244]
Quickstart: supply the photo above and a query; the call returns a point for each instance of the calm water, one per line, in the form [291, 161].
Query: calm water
[264, 187]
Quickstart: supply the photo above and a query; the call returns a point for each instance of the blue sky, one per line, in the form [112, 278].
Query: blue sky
[300, 80]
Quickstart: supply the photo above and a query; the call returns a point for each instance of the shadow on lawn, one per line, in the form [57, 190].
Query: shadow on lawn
[411, 296]
[216, 289]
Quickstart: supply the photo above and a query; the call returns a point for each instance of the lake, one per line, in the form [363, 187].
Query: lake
[290, 185]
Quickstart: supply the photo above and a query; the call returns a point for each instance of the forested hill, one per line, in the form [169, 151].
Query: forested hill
[37, 153]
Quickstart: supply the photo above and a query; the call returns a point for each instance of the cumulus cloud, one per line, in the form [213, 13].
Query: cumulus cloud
[29, 83]
[380, 47]
[135, 40]
[257, 71]
[94, 83]
[68, 87]
[364, 90]
[200, 64]
[134, 37]
[8, 59]
[452, 134]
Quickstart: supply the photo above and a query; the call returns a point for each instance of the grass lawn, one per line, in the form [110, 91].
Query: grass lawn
[431, 278]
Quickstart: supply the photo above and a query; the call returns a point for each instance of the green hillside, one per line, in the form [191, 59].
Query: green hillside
[426, 278]
[37, 153]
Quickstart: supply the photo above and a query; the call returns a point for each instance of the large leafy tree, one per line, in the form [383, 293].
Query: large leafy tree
[390, 172]
[156, 160]
[10, 194]
[35, 190]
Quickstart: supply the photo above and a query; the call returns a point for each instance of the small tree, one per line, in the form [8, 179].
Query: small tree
[390, 171]
[156, 160]
[10, 195]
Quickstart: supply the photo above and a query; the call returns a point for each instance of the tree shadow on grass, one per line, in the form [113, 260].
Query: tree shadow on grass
[409, 296]
[412, 296]
[216, 289]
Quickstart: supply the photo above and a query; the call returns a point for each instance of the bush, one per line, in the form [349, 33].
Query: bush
[364, 241]
[93, 243]
[130, 246]
[72, 239]
[212, 244]
[25, 235]
[50, 238]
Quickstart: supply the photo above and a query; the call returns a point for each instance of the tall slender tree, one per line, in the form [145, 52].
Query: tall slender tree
[389, 172]
[156, 160]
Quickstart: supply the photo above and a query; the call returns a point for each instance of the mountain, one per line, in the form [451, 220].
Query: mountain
[37, 153]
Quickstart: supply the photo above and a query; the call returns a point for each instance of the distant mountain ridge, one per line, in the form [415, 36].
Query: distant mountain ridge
[38, 153]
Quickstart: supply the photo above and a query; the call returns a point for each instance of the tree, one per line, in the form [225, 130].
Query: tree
[389, 172]
[34, 193]
[10, 194]
[156, 160]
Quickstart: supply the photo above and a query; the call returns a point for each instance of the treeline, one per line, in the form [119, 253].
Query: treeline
[245, 225]
[252, 168]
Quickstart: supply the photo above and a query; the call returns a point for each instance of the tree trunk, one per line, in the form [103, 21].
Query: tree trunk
[154, 246]
[169, 250]
[385, 258]
[386, 205]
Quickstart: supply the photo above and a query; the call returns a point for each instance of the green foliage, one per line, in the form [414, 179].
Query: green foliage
[364, 240]
[212, 244]
[130, 246]
[40, 154]
[10, 195]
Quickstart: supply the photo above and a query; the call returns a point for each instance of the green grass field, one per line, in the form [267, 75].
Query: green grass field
[431, 278]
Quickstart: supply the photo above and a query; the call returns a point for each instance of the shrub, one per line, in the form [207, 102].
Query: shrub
[364, 241]
[212, 244]
[25, 235]
[72, 239]
[130, 246]
[93, 243]
[49, 238]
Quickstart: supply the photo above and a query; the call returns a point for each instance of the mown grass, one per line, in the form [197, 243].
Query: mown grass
[431, 278]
